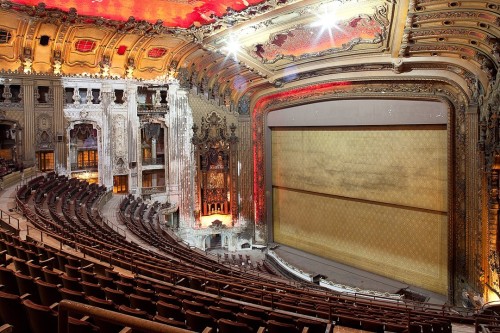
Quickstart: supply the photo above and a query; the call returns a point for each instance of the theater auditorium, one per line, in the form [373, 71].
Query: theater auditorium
[249, 166]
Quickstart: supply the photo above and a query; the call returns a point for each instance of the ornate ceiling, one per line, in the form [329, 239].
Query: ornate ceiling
[172, 13]
[282, 42]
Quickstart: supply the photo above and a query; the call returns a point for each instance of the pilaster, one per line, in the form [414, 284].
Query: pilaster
[133, 141]
[105, 163]
[29, 121]
[181, 160]
[59, 124]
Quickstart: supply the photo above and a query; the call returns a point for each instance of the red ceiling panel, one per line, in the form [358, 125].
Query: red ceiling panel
[173, 13]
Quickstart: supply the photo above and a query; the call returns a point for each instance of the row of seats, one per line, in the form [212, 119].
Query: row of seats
[138, 217]
[167, 304]
[186, 268]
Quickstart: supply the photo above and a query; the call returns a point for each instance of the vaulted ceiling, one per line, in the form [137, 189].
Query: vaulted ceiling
[283, 42]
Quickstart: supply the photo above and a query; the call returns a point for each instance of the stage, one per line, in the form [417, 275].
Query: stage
[206, 221]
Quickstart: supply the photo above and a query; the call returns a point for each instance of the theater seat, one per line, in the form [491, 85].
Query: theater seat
[199, 321]
[49, 293]
[12, 312]
[8, 280]
[169, 321]
[274, 326]
[252, 321]
[314, 326]
[229, 326]
[168, 310]
[42, 319]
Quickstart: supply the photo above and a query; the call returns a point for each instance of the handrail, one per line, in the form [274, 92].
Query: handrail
[10, 217]
[65, 306]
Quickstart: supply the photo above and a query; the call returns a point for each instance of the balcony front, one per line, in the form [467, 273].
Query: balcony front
[152, 161]
[85, 166]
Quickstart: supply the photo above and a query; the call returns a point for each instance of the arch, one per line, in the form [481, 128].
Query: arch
[443, 90]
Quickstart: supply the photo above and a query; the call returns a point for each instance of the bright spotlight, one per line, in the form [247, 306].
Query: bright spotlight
[327, 20]
[232, 46]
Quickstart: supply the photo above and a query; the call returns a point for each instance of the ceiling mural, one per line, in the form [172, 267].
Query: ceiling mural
[305, 41]
[230, 49]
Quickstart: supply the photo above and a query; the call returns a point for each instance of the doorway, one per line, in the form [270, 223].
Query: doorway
[120, 184]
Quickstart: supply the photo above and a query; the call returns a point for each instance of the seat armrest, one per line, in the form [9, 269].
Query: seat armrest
[6, 328]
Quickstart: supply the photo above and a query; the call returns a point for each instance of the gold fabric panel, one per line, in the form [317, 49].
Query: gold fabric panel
[404, 167]
[373, 198]
[402, 244]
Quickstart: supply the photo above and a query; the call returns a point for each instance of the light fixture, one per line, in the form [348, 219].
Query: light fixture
[232, 46]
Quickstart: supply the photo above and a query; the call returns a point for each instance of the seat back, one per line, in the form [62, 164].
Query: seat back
[49, 293]
[41, 318]
[229, 326]
[71, 283]
[274, 326]
[51, 276]
[168, 310]
[13, 312]
[219, 313]
[72, 295]
[92, 289]
[26, 285]
[117, 296]
[199, 321]
[252, 321]
[8, 280]
[313, 325]
[143, 303]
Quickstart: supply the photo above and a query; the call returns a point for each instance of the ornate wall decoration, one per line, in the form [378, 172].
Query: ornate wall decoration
[44, 132]
[244, 105]
[119, 141]
[215, 148]
[489, 146]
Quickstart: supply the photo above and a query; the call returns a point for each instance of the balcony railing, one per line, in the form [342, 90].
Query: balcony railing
[153, 190]
[152, 161]
[150, 108]
[84, 166]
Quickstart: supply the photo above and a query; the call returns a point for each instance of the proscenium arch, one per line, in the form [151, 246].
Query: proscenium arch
[438, 90]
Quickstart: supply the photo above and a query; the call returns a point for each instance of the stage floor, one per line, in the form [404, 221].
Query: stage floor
[351, 276]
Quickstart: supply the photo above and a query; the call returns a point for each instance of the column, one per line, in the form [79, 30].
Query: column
[105, 163]
[29, 122]
[474, 227]
[133, 140]
[245, 171]
[60, 150]
[181, 166]
[153, 150]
